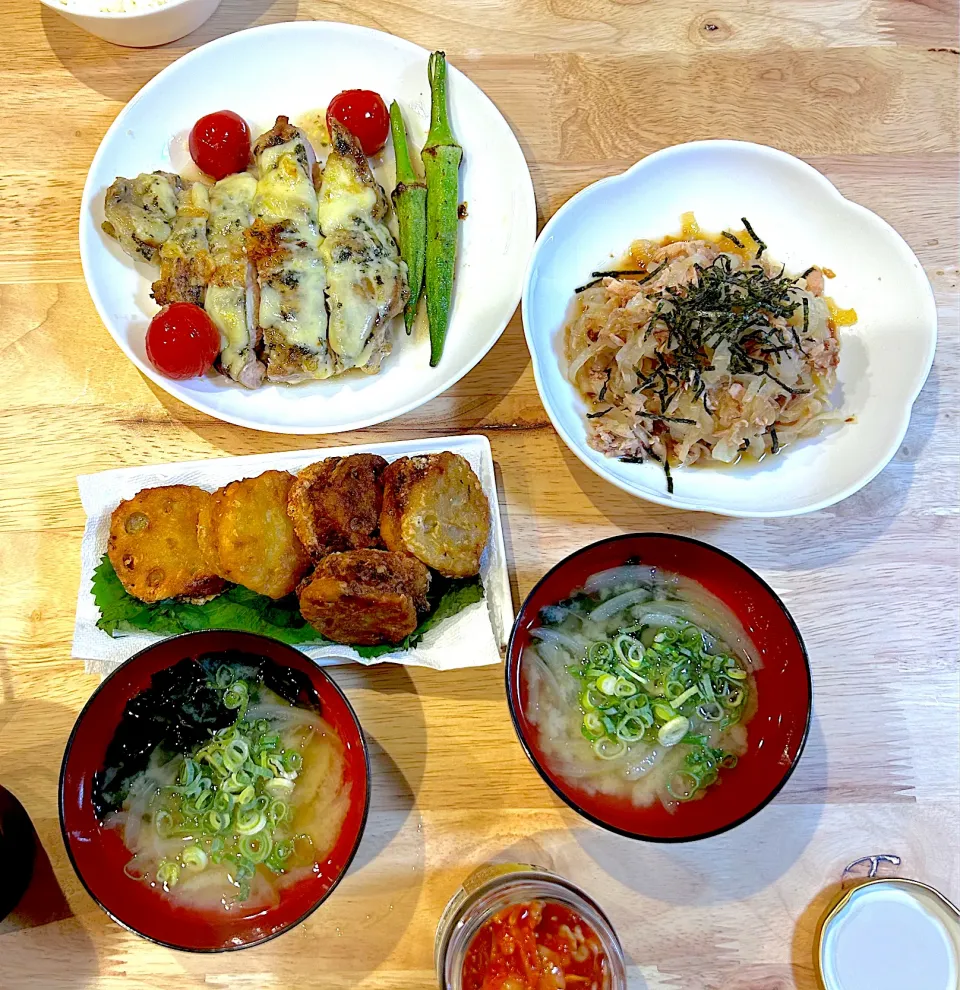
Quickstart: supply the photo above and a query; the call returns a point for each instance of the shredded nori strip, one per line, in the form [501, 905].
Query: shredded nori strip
[630, 460]
[616, 273]
[603, 389]
[761, 245]
[786, 388]
[602, 412]
[812, 268]
[774, 440]
[745, 445]
[587, 285]
[667, 419]
[731, 237]
[669, 476]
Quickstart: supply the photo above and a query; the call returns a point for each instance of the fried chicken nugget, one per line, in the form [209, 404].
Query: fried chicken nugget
[365, 597]
[153, 545]
[247, 536]
[335, 504]
[434, 508]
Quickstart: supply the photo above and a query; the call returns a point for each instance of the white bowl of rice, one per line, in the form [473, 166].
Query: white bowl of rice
[764, 366]
[136, 23]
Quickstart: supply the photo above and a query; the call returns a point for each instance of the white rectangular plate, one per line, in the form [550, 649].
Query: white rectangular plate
[474, 637]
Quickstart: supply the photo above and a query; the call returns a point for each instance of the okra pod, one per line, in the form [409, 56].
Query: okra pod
[441, 161]
[410, 204]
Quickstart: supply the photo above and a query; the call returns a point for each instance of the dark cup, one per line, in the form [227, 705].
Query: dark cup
[17, 848]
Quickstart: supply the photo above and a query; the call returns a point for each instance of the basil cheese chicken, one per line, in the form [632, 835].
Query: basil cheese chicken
[293, 263]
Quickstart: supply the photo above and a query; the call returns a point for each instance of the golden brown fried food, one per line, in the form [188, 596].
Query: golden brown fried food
[153, 545]
[335, 504]
[435, 509]
[248, 537]
[365, 597]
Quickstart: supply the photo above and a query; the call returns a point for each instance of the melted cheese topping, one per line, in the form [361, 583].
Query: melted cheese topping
[362, 261]
[293, 313]
[229, 300]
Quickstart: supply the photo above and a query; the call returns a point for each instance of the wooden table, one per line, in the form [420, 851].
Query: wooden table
[864, 91]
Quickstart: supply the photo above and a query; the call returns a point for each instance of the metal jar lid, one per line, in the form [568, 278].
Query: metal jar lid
[888, 933]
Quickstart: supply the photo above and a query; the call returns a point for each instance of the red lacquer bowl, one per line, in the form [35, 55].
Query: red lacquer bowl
[776, 733]
[98, 853]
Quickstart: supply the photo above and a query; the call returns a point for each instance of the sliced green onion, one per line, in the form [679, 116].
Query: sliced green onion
[686, 696]
[624, 688]
[737, 673]
[710, 711]
[733, 699]
[683, 785]
[218, 820]
[256, 848]
[628, 651]
[236, 695]
[673, 731]
[250, 822]
[664, 712]
[607, 684]
[609, 749]
[630, 729]
[194, 857]
[601, 652]
[168, 873]
[279, 787]
[163, 821]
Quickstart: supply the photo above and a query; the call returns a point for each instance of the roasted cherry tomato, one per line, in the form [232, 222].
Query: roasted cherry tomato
[364, 115]
[220, 143]
[182, 341]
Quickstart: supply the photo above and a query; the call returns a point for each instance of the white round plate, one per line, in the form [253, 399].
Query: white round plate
[884, 358]
[294, 69]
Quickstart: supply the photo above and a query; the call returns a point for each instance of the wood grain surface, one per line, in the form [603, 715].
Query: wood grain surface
[866, 92]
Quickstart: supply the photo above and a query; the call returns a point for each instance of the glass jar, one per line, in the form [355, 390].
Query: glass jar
[493, 888]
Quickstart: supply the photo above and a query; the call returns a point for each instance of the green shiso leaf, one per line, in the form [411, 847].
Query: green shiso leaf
[244, 610]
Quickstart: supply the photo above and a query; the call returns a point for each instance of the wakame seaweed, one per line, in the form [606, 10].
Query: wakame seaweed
[181, 710]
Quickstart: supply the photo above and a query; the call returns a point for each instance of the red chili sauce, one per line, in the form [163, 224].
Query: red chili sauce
[540, 945]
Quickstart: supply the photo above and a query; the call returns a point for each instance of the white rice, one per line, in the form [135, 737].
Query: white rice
[113, 6]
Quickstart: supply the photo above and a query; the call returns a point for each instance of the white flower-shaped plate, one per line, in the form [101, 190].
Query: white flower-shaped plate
[884, 358]
[296, 69]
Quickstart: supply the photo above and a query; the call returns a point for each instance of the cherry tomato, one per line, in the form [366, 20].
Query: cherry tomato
[182, 341]
[220, 143]
[364, 115]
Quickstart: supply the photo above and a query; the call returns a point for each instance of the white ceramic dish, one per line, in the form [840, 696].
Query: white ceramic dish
[885, 357]
[300, 67]
[141, 28]
[472, 638]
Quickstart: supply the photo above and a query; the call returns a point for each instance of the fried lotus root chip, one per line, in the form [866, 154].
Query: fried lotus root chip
[434, 508]
[365, 597]
[153, 545]
[247, 536]
[335, 504]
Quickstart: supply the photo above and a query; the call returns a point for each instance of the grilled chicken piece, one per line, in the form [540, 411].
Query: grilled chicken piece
[139, 212]
[366, 277]
[284, 245]
[185, 263]
[233, 294]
